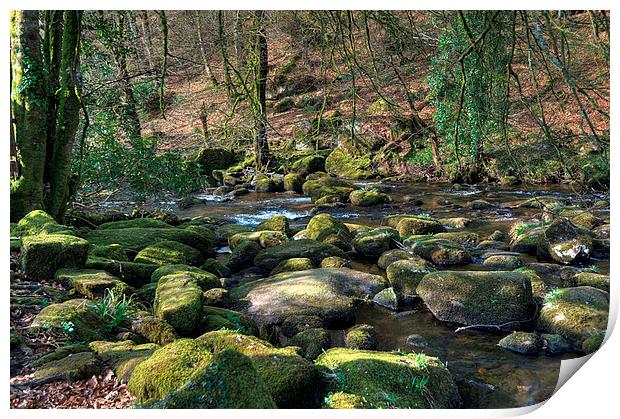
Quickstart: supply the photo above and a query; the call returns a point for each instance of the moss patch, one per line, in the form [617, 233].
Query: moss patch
[178, 300]
[42, 255]
[123, 356]
[205, 280]
[74, 315]
[169, 252]
[91, 282]
[268, 259]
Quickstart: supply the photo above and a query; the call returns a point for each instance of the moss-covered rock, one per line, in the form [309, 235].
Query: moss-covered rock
[74, 367]
[313, 342]
[178, 301]
[133, 274]
[112, 251]
[153, 329]
[481, 205]
[168, 369]
[441, 252]
[205, 280]
[391, 256]
[43, 254]
[386, 298]
[290, 379]
[329, 294]
[230, 381]
[74, 316]
[132, 240]
[522, 342]
[91, 282]
[575, 313]
[362, 336]
[295, 324]
[135, 223]
[294, 182]
[265, 238]
[269, 184]
[276, 223]
[590, 279]
[216, 267]
[216, 318]
[542, 202]
[362, 198]
[211, 159]
[503, 262]
[60, 353]
[464, 238]
[309, 164]
[342, 164]
[405, 275]
[123, 356]
[292, 265]
[169, 252]
[33, 223]
[326, 228]
[472, 297]
[593, 343]
[244, 254]
[555, 344]
[328, 187]
[228, 230]
[369, 379]
[566, 243]
[455, 222]
[267, 259]
[372, 244]
[216, 297]
[335, 262]
[408, 225]
[527, 241]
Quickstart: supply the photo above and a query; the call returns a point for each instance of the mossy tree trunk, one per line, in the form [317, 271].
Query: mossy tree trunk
[261, 146]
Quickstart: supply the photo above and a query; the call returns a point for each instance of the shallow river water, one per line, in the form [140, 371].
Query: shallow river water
[488, 376]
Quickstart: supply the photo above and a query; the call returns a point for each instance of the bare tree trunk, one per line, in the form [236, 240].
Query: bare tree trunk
[261, 145]
[224, 52]
[203, 54]
[239, 40]
[148, 41]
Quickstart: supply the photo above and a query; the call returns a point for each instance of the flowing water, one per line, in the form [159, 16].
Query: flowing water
[488, 376]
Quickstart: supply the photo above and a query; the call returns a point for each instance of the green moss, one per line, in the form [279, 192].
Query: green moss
[593, 343]
[74, 367]
[362, 336]
[313, 342]
[205, 280]
[292, 265]
[135, 223]
[441, 252]
[276, 223]
[243, 255]
[16, 245]
[405, 275]
[228, 230]
[85, 324]
[217, 297]
[328, 186]
[309, 164]
[526, 239]
[408, 225]
[35, 222]
[290, 379]
[566, 243]
[153, 329]
[391, 256]
[503, 262]
[216, 318]
[112, 251]
[134, 274]
[269, 184]
[293, 182]
[91, 282]
[230, 381]
[168, 369]
[591, 279]
[211, 159]
[372, 379]
[372, 244]
[363, 198]
[326, 228]
[169, 252]
[178, 300]
[342, 164]
[264, 238]
[465, 238]
[123, 356]
[522, 342]
[42, 255]
[216, 267]
[60, 353]
[267, 259]
[335, 262]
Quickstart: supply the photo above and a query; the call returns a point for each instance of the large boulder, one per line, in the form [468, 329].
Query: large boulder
[217, 318]
[211, 159]
[294, 182]
[267, 259]
[169, 252]
[36, 222]
[371, 380]
[328, 293]
[526, 238]
[328, 187]
[123, 356]
[326, 228]
[264, 238]
[132, 273]
[343, 164]
[178, 301]
[243, 255]
[276, 223]
[361, 198]
[290, 379]
[43, 254]
[361, 336]
[576, 313]
[292, 265]
[441, 252]
[405, 275]
[590, 279]
[372, 244]
[566, 243]
[391, 256]
[75, 317]
[91, 282]
[408, 225]
[309, 164]
[478, 298]
[205, 280]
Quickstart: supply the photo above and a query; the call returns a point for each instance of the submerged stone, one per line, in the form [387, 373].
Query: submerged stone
[522, 342]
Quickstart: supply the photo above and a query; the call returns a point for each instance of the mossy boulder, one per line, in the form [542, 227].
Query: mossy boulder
[327, 186]
[217, 318]
[135, 223]
[313, 342]
[566, 243]
[405, 275]
[216, 297]
[308, 165]
[267, 259]
[503, 261]
[455, 222]
[75, 315]
[326, 228]
[593, 343]
[276, 223]
[330, 294]
[441, 252]
[542, 202]
[386, 298]
[590, 279]
[372, 244]
[555, 344]
[59, 353]
[575, 313]
[74, 367]
[112, 251]
[363, 198]
[43, 254]
[335, 262]
[205, 280]
[244, 254]
[472, 297]
[369, 379]
[414, 225]
[178, 301]
[585, 219]
[362, 336]
[38, 222]
[481, 205]
[292, 265]
[464, 238]
[296, 323]
[211, 159]
[522, 342]
[91, 282]
[216, 267]
[230, 381]
[132, 240]
[123, 356]
[169, 252]
[290, 379]
[264, 238]
[391, 256]
[269, 184]
[526, 241]
[134, 274]
[294, 182]
[226, 231]
[342, 164]
[153, 329]
[168, 369]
